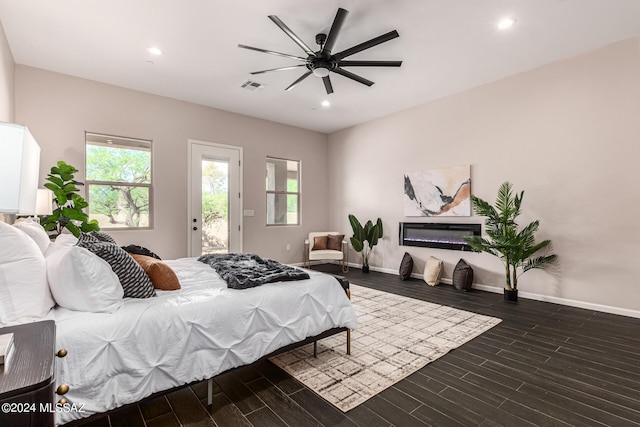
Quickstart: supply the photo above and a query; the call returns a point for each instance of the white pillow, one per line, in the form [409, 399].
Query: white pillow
[24, 294]
[66, 239]
[35, 231]
[433, 271]
[82, 281]
[63, 241]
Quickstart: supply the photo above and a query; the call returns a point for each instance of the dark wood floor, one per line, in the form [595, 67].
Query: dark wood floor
[544, 364]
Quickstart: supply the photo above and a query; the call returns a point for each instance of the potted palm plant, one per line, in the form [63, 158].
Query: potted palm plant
[365, 238]
[514, 245]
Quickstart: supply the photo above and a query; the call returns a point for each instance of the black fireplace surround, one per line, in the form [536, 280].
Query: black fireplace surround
[437, 235]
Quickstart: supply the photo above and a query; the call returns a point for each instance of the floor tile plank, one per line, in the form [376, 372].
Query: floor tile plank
[544, 364]
[320, 409]
[164, 420]
[188, 408]
[224, 412]
[239, 393]
[288, 410]
[265, 417]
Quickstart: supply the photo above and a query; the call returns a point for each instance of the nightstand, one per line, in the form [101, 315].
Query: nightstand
[27, 380]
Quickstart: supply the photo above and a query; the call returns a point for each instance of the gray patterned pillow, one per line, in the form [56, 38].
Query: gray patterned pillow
[134, 281]
[86, 238]
[463, 276]
[102, 236]
[406, 266]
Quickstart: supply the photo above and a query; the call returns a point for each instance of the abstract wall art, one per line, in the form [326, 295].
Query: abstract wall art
[438, 192]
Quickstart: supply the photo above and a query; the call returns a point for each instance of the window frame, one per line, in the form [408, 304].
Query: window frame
[298, 193]
[122, 141]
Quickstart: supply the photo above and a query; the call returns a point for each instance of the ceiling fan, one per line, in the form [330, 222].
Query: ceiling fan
[323, 62]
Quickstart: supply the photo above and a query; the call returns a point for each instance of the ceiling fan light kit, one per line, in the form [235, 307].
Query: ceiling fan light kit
[322, 63]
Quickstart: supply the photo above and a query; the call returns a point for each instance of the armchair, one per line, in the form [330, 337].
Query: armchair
[327, 245]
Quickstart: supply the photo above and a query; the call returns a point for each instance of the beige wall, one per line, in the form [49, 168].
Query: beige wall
[567, 133]
[59, 109]
[7, 66]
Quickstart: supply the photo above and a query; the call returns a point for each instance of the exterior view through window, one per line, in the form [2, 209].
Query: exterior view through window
[215, 206]
[283, 192]
[118, 180]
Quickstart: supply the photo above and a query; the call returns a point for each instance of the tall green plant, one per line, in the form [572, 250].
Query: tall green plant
[365, 238]
[515, 246]
[69, 212]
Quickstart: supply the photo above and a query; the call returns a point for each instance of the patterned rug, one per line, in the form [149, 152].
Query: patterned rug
[396, 336]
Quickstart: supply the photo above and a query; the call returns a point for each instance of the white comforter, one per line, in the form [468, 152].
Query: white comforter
[191, 334]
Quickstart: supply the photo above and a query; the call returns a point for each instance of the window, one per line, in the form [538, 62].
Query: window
[118, 179]
[283, 192]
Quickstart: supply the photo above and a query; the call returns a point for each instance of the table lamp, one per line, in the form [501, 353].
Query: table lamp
[19, 171]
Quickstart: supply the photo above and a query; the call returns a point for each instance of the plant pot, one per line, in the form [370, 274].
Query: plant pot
[365, 268]
[511, 296]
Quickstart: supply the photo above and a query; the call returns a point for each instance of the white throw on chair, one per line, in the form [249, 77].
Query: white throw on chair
[327, 245]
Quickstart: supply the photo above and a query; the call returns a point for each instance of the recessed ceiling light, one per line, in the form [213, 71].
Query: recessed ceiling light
[505, 23]
[325, 103]
[154, 51]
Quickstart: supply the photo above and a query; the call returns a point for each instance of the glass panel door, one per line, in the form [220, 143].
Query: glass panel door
[215, 206]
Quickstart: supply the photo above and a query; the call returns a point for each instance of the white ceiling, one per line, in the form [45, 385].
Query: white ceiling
[447, 46]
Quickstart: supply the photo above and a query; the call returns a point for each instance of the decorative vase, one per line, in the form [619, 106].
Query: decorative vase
[511, 295]
[365, 268]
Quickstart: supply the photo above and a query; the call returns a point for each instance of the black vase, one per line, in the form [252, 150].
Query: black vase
[511, 296]
[365, 268]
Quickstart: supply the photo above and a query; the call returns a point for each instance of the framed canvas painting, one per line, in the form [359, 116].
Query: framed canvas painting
[438, 192]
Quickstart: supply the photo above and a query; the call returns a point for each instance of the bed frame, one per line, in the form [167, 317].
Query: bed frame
[345, 285]
[310, 340]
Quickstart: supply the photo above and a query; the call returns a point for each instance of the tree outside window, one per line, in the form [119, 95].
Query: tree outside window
[215, 206]
[283, 192]
[118, 179]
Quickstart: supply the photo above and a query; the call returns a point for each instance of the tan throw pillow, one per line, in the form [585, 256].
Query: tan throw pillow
[319, 243]
[334, 241]
[161, 275]
[433, 271]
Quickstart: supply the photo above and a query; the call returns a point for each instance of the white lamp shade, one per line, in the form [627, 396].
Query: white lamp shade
[44, 202]
[19, 170]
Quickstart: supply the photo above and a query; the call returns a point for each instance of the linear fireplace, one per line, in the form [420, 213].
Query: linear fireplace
[437, 235]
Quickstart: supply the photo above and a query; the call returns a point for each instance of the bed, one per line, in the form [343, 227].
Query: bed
[195, 333]
[122, 350]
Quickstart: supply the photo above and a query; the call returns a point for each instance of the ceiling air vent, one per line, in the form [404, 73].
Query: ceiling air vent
[253, 86]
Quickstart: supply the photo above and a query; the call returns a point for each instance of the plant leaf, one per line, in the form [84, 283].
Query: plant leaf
[56, 180]
[357, 244]
[73, 229]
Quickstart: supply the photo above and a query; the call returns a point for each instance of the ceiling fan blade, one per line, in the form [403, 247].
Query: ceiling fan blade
[291, 34]
[369, 63]
[304, 76]
[278, 69]
[368, 44]
[299, 58]
[327, 85]
[352, 76]
[341, 15]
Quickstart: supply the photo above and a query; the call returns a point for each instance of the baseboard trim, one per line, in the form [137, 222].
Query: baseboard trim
[565, 301]
[527, 295]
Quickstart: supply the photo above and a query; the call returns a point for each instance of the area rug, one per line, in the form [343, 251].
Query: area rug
[396, 336]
